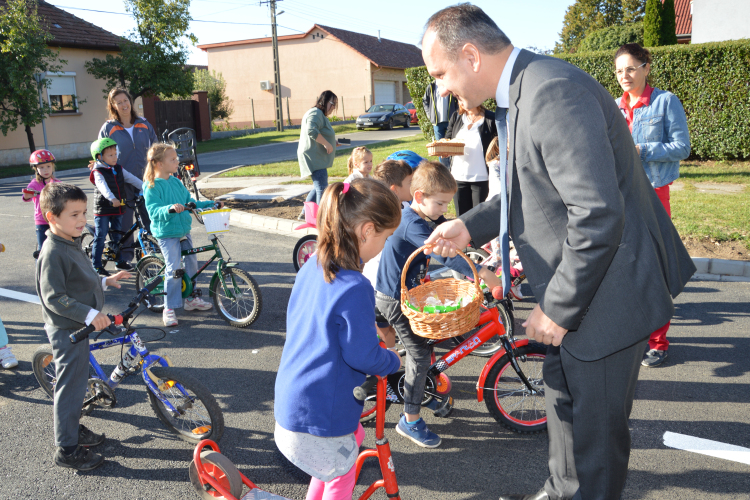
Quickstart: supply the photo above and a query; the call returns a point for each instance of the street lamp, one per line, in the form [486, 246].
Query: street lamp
[39, 77]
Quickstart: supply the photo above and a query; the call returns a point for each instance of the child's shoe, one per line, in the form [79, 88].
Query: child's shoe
[82, 459]
[7, 359]
[418, 432]
[102, 271]
[88, 438]
[169, 317]
[197, 303]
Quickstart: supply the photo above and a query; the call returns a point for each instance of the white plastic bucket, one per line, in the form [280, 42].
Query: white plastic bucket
[216, 221]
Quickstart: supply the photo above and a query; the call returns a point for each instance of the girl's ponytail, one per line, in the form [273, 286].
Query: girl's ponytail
[343, 209]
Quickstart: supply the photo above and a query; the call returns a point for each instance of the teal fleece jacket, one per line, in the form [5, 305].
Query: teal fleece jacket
[160, 198]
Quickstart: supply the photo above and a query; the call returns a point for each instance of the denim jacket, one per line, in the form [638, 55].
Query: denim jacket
[660, 131]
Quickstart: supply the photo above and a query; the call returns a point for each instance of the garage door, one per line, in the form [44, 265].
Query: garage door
[385, 92]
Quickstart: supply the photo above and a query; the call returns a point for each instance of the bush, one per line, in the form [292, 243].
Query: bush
[612, 38]
[216, 86]
[712, 80]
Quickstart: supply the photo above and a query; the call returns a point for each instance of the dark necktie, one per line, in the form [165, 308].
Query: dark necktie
[502, 143]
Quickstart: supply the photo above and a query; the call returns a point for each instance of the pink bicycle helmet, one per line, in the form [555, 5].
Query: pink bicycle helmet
[41, 156]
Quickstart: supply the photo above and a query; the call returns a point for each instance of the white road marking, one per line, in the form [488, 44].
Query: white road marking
[4, 292]
[707, 447]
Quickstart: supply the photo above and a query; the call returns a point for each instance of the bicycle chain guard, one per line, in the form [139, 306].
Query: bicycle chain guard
[102, 393]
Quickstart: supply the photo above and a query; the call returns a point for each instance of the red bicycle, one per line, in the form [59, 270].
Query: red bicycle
[511, 383]
[215, 476]
[308, 244]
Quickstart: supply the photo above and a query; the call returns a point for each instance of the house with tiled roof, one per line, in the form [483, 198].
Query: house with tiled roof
[360, 69]
[70, 131]
[683, 10]
[719, 20]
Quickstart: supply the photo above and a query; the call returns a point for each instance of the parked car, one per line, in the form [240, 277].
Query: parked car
[384, 116]
[412, 111]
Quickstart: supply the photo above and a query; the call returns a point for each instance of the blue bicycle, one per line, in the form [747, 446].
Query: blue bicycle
[182, 403]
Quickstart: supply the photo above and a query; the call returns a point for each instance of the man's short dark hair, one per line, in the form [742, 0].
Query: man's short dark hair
[55, 196]
[466, 23]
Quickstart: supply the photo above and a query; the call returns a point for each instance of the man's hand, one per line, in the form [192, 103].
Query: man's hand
[541, 328]
[113, 281]
[116, 203]
[400, 359]
[178, 208]
[447, 238]
[101, 321]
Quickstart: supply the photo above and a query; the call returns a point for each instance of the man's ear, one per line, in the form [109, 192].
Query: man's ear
[472, 55]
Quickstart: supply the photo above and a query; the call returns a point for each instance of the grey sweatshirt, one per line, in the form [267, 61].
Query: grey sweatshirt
[66, 283]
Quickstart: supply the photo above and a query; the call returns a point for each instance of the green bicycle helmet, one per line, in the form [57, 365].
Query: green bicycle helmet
[100, 145]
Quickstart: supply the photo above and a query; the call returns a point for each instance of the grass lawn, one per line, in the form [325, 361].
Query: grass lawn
[261, 139]
[17, 170]
[720, 217]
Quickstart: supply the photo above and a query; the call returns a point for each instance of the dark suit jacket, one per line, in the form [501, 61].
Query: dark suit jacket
[487, 128]
[599, 250]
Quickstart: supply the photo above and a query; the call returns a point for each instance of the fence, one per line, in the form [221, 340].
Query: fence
[262, 111]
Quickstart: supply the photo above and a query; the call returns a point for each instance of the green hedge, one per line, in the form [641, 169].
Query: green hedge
[712, 80]
[612, 38]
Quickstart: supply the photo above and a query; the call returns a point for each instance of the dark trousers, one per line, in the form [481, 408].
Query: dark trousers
[128, 219]
[469, 195]
[588, 406]
[103, 224]
[41, 235]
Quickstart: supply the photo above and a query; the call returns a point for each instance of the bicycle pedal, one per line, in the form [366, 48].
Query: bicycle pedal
[179, 273]
[445, 408]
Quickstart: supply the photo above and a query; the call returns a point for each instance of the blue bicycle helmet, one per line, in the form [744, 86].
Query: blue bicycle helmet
[410, 157]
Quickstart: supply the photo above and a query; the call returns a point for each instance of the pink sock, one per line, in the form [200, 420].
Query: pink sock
[339, 488]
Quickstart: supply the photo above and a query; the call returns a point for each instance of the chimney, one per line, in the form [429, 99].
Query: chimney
[378, 35]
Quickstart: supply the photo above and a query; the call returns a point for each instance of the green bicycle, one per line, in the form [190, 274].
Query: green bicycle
[235, 293]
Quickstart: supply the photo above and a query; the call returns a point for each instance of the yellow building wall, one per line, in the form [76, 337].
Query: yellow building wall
[308, 66]
[68, 135]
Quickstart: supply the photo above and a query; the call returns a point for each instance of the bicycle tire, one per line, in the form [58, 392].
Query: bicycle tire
[226, 306]
[87, 243]
[508, 399]
[43, 366]
[304, 248]
[146, 269]
[221, 469]
[199, 423]
[370, 409]
[477, 255]
[495, 343]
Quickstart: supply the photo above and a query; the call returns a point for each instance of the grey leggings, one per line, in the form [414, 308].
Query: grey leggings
[418, 352]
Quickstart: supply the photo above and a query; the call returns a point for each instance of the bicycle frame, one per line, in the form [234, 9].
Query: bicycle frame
[147, 361]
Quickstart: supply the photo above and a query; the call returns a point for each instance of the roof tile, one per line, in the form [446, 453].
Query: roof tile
[684, 17]
[383, 52]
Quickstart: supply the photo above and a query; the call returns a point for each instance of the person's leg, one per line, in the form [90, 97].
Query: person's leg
[127, 220]
[115, 226]
[41, 235]
[101, 225]
[462, 198]
[170, 248]
[479, 192]
[339, 488]
[7, 358]
[320, 183]
[663, 194]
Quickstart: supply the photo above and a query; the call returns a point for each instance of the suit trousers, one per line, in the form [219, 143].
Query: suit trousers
[588, 406]
[72, 372]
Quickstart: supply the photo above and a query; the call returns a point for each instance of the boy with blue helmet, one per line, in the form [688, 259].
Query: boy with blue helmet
[410, 157]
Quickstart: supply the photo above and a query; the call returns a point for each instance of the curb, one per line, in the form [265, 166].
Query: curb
[27, 178]
[274, 225]
[721, 270]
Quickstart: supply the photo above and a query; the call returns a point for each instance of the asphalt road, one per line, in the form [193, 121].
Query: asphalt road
[701, 391]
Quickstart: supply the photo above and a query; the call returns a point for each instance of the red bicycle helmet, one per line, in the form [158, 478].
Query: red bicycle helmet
[41, 156]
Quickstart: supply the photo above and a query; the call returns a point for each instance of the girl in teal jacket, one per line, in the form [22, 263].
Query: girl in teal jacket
[162, 192]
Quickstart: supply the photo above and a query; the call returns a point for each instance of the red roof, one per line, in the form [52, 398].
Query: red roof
[68, 30]
[381, 52]
[684, 16]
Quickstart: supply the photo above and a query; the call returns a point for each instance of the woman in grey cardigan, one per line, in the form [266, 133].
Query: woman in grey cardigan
[317, 144]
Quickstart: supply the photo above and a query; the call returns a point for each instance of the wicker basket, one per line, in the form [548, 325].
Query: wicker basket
[441, 325]
[445, 148]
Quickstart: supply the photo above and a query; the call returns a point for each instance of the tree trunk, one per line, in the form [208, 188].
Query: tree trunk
[30, 137]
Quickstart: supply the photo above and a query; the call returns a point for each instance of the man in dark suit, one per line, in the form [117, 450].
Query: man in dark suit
[599, 250]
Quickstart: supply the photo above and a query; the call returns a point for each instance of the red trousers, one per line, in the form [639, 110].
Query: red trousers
[658, 339]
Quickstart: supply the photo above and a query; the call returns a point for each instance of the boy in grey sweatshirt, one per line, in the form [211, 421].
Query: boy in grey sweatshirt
[72, 295]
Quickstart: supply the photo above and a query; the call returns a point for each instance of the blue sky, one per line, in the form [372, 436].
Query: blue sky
[526, 22]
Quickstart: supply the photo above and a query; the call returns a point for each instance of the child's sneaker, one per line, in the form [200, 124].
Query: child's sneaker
[88, 438]
[82, 459]
[169, 317]
[197, 303]
[7, 359]
[418, 432]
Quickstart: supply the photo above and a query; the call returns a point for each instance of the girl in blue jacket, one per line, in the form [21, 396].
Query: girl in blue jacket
[162, 191]
[329, 352]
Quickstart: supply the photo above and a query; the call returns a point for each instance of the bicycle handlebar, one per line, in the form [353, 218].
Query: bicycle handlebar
[119, 319]
[361, 392]
[190, 206]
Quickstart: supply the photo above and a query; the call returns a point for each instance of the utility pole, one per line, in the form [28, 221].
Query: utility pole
[276, 72]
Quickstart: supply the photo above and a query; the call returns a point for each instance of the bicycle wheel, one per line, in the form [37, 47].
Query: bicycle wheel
[221, 469]
[495, 343]
[43, 366]
[147, 269]
[476, 255]
[508, 399]
[370, 409]
[87, 243]
[304, 248]
[199, 414]
[236, 297]
[150, 247]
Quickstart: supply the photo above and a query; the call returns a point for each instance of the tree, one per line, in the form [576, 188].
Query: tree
[612, 38]
[585, 16]
[668, 24]
[652, 23]
[152, 59]
[216, 86]
[23, 52]
[633, 10]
